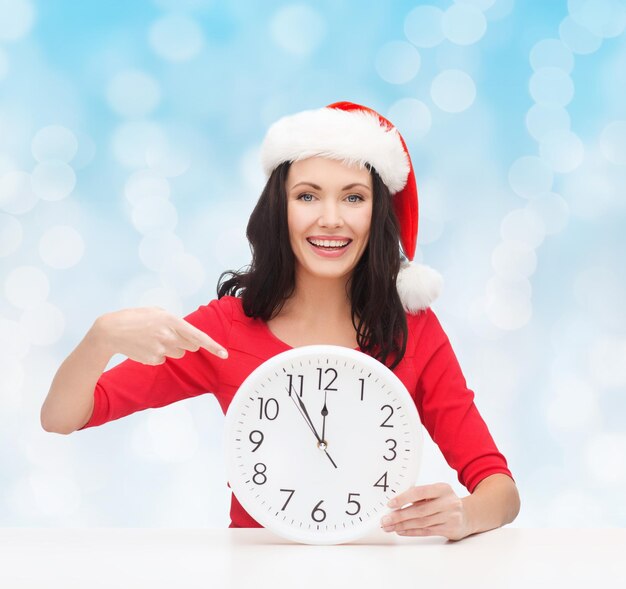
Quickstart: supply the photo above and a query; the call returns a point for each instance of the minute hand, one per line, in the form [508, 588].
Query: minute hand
[307, 418]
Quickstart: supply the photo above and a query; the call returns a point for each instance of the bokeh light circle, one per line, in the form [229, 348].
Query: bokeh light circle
[563, 151]
[183, 273]
[411, 116]
[53, 180]
[16, 192]
[523, 225]
[131, 142]
[157, 246]
[54, 142]
[133, 93]
[541, 120]
[453, 91]
[11, 234]
[44, 324]
[463, 24]
[577, 37]
[154, 214]
[551, 53]
[146, 184]
[422, 26]
[552, 209]
[551, 86]
[26, 287]
[514, 260]
[529, 176]
[297, 29]
[397, 62]
[176, 37]
[613, 142]
[61, 246]
[604, 18]
[16, 19]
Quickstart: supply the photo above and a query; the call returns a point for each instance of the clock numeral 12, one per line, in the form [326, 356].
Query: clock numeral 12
[327, 387]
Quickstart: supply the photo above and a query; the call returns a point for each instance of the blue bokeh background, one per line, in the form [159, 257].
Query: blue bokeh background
[129, 164]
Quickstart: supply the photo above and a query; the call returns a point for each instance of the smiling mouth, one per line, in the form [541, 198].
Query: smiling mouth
[329, 247]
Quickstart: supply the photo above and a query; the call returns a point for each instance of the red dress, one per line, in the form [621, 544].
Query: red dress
[429, 370]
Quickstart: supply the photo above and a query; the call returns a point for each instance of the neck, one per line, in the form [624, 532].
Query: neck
[319, 300]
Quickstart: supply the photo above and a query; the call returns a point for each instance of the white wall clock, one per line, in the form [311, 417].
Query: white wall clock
[317, 440]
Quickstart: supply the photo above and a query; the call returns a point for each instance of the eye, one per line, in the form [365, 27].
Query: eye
[305, 194]
[358, 196]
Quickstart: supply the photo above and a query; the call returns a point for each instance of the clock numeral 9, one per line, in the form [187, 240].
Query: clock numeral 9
[393, 449]
[384, 423]
[259, 473]
[263, 409]
[290, 377]
[257, 442]
[327, 387]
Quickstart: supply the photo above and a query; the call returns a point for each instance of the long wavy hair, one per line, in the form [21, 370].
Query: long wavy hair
[265, 285]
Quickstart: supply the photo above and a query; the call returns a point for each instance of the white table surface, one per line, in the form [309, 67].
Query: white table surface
[256, 558]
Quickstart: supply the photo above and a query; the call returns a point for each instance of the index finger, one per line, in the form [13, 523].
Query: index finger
[197, 336]
[416, 493]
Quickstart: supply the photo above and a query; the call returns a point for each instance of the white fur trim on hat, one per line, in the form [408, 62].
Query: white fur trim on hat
[418, 286]
[353, 136]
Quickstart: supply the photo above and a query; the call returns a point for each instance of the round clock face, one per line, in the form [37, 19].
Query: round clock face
[318, 439]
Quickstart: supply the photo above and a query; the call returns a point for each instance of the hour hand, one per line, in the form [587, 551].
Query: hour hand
[298, 402]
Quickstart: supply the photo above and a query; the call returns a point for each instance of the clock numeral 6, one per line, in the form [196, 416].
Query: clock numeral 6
[266, 410]
[384, 423]
[257, 442]
[393, 449]
[318, 509]
[350, 500]
[259, 473]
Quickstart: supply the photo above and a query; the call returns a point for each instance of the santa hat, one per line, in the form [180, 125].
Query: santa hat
[357, 134]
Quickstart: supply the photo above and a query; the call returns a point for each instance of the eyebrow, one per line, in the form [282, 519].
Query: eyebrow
[319, 187]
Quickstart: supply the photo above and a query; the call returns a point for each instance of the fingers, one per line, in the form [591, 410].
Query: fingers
[196, 338]
[418, 493]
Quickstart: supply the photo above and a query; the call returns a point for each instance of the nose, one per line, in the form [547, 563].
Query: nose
[331, 215]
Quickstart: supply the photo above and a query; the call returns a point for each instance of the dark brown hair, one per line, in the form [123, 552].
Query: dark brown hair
[377, 313]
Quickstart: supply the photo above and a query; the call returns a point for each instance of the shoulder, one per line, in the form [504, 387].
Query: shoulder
[425, 328]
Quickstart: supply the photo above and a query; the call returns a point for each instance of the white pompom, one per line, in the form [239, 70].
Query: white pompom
[418, 286]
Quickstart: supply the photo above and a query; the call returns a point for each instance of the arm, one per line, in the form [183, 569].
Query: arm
[70, 401]
[495, 502]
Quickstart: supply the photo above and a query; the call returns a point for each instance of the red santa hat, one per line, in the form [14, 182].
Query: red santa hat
[357, 134]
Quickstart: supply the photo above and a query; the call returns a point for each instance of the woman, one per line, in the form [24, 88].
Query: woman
[326, 268]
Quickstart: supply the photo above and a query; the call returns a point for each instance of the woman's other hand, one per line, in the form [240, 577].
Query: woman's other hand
[429, 510]
[151, 334]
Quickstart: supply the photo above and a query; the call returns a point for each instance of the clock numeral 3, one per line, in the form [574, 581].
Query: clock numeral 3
[265, 406]
[393, 449]
[384, 480]
[384, 423]
[327, 387]
[257, 442]
[259, 473]
[350, 500]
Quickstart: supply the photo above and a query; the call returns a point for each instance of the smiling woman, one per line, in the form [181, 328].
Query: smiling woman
[331, 237]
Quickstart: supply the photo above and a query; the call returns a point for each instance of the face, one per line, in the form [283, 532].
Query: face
[328, 200]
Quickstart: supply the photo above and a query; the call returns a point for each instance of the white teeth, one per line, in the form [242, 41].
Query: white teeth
[327, 243]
